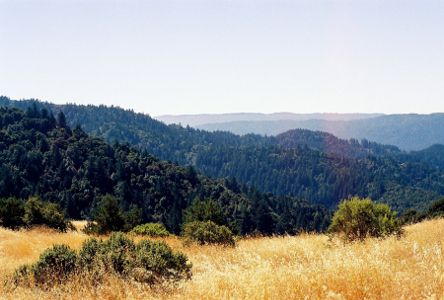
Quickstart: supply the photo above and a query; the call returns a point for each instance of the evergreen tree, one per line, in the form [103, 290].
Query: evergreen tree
[207, 210]
[61, 120]
[11, 213]
[108, 216]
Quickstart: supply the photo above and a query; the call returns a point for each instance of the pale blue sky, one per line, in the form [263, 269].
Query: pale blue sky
[188, 57]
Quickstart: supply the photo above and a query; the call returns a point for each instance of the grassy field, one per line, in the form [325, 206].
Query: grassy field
[301, 267]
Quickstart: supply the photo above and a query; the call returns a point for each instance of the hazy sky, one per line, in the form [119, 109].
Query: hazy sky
[187, 57]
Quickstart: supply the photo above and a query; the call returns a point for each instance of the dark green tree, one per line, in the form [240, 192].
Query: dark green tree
[207, 210]
[11, 213]
[132, 217]
[61, 120]
[108, 216]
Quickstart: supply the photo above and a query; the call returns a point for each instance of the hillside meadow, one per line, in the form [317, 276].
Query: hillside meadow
[307, 266]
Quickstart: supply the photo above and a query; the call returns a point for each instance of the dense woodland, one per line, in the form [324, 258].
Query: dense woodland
[42, 156]
[314, 166]
[328, 143]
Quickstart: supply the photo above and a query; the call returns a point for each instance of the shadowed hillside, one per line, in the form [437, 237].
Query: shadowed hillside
[310, 165]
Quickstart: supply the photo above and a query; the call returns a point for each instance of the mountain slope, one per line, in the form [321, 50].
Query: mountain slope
[42, 156]
[408, 132]
[307, 173]
[176, 143]
[329, 143]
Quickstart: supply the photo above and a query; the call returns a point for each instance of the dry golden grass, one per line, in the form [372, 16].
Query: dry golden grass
[302, 267]
[79, 225]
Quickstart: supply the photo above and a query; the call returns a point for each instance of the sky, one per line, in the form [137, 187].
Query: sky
[192, 57]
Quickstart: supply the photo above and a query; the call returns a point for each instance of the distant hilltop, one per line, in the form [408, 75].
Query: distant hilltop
[200, 119]
[406, 131]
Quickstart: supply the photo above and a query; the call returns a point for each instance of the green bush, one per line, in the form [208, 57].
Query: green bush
[33, 212]
[11, 213]
[91, 228]
[116, 251]
[204, 233]
[358, 219]
[151, 229]
[155, 262]
[88, 258]
[54, 217]
[411, 216]
[21, 276]
[147, 262]
[37, 212]
[436, 210]
[55, 264]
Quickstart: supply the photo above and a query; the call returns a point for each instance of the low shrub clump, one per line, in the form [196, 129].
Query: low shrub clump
[436, 210]
[154, 262]
[147, 262]
[34, 212]
[151, 229]
[357, 219]
[208, 232]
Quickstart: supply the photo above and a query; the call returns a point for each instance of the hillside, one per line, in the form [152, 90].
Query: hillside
[408, 132]
[41, 155]
[328, 143]
[433, 155]
[281, 165]
[261, 268]
[195, 120]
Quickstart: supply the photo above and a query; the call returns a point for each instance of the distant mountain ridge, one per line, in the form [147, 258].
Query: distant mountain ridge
[201, 119]
[408, 132]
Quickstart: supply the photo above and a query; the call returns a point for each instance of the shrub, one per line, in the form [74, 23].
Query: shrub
[37, 212]
[358, 219]
[411, 216]
[151, 229]
[33, 212]
[11, 213]
[147, 262]
[115, 253]
[208, 232]
[436, 210]
[21, 276]
[88, 258]
[155, 262]
[91, 228]
[55, 264]
[54, 217]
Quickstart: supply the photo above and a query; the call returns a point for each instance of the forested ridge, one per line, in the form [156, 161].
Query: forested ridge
[406, 131]
[42, 156]
[177, 143]
[328, 143]
[315, 166]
